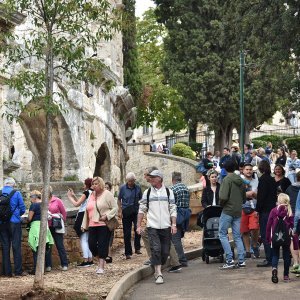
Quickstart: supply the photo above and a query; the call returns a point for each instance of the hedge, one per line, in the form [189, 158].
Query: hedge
[276, 140]
[259, 143]
[293, 143]
[182, 150]
[196, 147]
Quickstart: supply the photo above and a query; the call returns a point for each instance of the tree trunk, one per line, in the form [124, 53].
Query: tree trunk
[39, 274]
[193, 131]
[220, 140]
[49, 71]
[247, 133]
[223, 138]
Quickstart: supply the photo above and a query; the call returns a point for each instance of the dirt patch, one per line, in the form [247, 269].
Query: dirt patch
[82, 283]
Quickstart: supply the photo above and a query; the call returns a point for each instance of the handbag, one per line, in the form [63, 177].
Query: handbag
[78, 223]
[57, 223]
[112, 224]
[62, 229]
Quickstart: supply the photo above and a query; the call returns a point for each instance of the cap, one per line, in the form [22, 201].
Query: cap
[156, 173]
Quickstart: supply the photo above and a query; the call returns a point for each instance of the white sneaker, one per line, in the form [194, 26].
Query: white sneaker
[159, 279]
[64, 268]
[99, 271]
[48, 269]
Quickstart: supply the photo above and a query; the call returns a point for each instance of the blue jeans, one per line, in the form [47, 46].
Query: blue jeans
[225, 222]
[16, 237]
[59, 243]
[263, 221]
[286, 258]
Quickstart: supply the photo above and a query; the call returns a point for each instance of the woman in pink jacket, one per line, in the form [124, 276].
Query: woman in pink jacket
[56, 207]
[280, 236]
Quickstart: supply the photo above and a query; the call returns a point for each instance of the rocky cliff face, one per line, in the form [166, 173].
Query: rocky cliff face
[89, 137]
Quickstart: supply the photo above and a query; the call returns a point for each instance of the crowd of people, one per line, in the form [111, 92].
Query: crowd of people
[97, 206]
[259, 196]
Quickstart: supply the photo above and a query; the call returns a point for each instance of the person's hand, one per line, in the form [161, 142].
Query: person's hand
[120, 214]
[103, 218]
[70, 193]
[139, 230]
[82, 229]
[173, 229]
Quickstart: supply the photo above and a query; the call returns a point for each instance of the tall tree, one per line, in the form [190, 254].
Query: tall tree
[132, 78]
[159, 100]
[55, 52]
[202, 61]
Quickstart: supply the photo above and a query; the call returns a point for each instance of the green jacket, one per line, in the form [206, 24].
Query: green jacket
[232, 195]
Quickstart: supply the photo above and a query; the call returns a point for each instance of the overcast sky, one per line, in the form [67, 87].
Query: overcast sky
[141, 6]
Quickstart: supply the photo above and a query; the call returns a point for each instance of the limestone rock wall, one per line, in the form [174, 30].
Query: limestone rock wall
[140, 158]
[89, 137]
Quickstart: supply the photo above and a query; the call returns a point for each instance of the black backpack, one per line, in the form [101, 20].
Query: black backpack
[280, 235]
[5, 210]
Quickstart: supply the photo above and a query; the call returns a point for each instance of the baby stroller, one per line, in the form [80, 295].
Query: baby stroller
[210, 241]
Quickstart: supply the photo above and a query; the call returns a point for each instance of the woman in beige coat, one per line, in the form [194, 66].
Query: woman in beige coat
[100, 208]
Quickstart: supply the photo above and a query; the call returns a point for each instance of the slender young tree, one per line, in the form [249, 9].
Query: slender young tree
[55, 50]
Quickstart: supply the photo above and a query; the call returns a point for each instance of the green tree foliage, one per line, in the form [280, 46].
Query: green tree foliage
[159, 101]
[182, 150]
[52, 54]
[132, 78]
[202, 62]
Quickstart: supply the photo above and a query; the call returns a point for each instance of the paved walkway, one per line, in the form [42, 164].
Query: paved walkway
[206, 281]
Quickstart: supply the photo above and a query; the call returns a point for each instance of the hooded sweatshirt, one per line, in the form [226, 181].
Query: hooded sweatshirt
[232, 195]
[293, 191]
[278, 211]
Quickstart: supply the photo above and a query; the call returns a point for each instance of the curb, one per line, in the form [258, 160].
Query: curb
[130, 279]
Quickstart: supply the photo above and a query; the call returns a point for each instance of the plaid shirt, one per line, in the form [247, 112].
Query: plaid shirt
[181, 194]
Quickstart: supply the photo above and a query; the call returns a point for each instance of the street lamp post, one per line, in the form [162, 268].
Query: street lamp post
[242, 110]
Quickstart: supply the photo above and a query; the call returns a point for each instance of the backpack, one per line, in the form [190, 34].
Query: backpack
[200, 168]
[148, 195]
[280, 236]
[5, 210]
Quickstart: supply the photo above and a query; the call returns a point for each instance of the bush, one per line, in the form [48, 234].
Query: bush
[183, 150]
[259, 143]
[196, 147]
[293, 143]
[276, 140]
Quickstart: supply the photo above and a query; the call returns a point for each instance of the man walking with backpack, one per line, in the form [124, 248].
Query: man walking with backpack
[161, 211]
[12, 207]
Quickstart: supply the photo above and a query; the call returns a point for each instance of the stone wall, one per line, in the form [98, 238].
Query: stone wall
[141, 158]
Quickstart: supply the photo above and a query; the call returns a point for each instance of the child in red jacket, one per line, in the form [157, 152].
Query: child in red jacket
[281, 211]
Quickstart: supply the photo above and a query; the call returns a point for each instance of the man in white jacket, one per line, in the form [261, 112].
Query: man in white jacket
[159, 204]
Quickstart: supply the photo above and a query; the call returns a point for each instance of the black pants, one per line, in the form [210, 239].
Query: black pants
[99, 237]
[127, 228]
[160, 243]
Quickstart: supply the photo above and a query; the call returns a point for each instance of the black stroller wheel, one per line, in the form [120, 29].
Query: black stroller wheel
[233, 255]
[207, 259]
[221, 258]
[203, 255]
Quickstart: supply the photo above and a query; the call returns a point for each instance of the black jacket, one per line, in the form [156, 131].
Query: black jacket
[208, 196]
[266, 193]
[293, 191]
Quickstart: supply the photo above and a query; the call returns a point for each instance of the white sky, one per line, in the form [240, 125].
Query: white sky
[141, 6]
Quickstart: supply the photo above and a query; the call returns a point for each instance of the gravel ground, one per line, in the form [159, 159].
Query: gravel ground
[83, 283]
